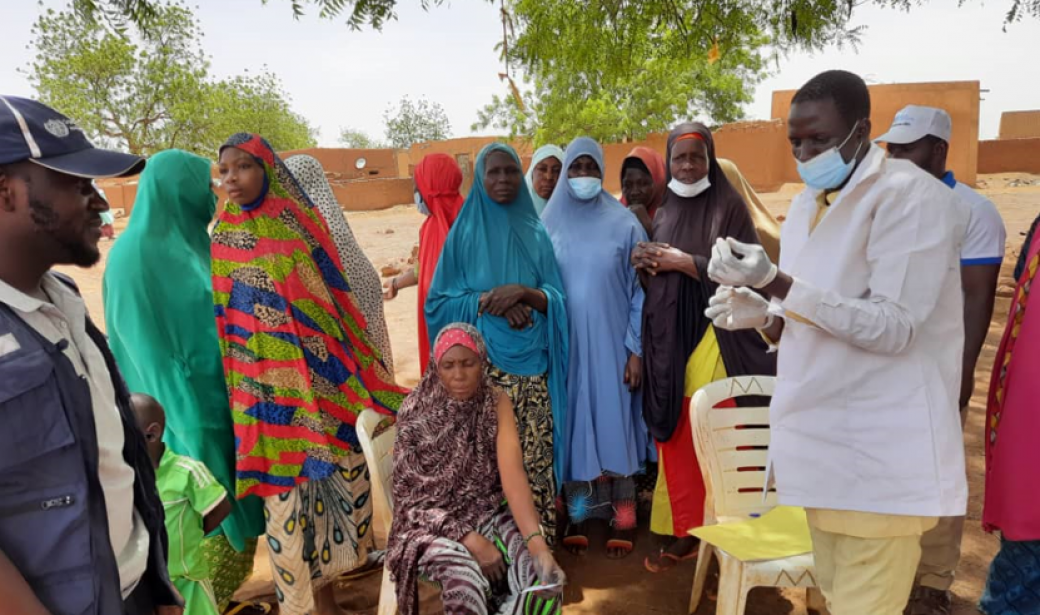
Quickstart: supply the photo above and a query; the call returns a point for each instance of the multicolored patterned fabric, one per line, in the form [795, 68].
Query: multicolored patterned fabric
[445, 481]
[608, 498]
[1013, 584]
[318, 531]
[230, 568]
[298, 365]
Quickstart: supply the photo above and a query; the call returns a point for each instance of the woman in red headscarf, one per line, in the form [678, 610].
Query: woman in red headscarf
[643, 184]
[437, 182]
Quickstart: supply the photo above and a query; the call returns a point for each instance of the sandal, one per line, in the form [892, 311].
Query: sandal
[666, 561]
[253, 607]
[620, 543]
[576, 541]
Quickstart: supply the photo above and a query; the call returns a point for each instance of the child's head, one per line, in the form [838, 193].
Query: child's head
[151, 420]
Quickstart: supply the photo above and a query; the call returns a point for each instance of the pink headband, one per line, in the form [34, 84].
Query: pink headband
[451, 338]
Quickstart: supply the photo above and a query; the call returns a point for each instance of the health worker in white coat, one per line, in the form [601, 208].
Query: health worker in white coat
[867, 313]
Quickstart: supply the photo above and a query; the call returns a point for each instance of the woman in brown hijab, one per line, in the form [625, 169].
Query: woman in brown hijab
[681, 350]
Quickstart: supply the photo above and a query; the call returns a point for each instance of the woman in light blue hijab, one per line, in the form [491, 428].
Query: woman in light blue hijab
[497, 272]
[544, 174]
[606, 438]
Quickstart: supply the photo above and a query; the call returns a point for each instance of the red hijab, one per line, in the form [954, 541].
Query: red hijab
[438, 178]
[655, 164]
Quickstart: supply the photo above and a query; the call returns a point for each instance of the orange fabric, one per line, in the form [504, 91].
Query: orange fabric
[438, 179]
[690, 135]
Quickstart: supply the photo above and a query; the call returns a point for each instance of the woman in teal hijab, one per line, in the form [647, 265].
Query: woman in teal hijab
[543, 175]
[498, 272]
[159, 310]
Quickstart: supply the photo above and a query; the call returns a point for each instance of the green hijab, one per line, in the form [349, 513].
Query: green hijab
[159, 311]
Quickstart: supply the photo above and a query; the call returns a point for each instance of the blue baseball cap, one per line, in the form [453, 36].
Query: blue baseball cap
[30, 130]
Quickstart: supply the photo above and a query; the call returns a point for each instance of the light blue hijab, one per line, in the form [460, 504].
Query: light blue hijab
[491, 245]
[543, 152]
[592, 239]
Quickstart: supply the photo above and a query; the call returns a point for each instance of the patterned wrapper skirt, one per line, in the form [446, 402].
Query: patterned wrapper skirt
[534, 418]
[318, 531]
[1013, 586]
[229, 568]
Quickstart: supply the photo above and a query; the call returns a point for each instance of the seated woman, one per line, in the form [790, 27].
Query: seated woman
[457, 461]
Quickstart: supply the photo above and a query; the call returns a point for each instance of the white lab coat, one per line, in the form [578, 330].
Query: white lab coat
[865, 414]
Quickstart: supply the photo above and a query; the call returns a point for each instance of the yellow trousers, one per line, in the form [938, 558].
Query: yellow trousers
[865, 562]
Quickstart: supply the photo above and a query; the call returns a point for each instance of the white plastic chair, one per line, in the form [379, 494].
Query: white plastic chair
[731, 448]
[377, 433]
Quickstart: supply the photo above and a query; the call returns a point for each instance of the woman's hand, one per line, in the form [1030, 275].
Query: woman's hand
[634, 372]
[663, 258]
[641, 254]
[498, 300]
[488, 557]
[548, 572]
[519, 316]
[390, 290]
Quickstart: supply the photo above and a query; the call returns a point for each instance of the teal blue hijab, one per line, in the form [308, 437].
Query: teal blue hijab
[491, 245]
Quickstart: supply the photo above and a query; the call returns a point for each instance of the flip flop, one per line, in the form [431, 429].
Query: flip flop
[577, 541]
[666, 561]
[620, 544]
[263, 607]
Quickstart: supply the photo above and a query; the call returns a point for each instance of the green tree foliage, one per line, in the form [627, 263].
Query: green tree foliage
[145, 94]
[616, 70]
[357, 139]
[412, 122]
[792, 19]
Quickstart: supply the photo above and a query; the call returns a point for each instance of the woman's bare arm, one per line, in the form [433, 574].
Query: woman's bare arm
[514, 477]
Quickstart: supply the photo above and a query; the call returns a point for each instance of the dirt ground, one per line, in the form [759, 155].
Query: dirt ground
[605, 587]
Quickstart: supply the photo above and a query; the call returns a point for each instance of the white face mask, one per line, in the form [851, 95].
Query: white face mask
[586, 188]
[689, 191]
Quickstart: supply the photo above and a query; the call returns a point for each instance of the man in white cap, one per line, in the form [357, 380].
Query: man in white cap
[922, 136]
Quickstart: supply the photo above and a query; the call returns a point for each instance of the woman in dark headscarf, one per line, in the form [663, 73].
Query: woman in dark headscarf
[457, 461]
[644, 181]
[681, 350]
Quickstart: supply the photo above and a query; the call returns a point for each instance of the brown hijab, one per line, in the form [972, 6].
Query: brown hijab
[673, 313]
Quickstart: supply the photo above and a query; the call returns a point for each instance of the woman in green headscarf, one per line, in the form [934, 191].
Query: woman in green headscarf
[159, 310]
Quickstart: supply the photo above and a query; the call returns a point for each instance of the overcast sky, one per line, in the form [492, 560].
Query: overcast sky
[341, 78]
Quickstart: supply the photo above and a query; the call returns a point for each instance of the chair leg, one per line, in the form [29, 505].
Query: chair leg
[387, 595]
[732, 593]
[700, 576]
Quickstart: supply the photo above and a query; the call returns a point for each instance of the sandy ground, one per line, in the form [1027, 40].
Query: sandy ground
[605, 587]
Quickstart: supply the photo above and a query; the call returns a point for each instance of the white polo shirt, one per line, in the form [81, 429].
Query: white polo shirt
[864, 417]
[986, 235]
[64, 317]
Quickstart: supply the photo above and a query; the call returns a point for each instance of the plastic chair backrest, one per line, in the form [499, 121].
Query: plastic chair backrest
[732, 447]
[377, 433]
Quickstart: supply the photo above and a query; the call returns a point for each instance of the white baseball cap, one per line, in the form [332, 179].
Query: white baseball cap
[914, 123]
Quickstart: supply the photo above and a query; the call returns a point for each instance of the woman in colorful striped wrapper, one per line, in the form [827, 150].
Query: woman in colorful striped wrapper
[299, 370]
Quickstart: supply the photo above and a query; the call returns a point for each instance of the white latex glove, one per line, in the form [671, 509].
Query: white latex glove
[740, 264]
[734, 309]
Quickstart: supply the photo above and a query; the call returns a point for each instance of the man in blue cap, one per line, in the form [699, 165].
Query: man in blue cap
[81, 523]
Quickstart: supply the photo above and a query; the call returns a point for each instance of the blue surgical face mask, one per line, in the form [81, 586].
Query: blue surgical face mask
[829, 170]
[420, 204]
[586, 188]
